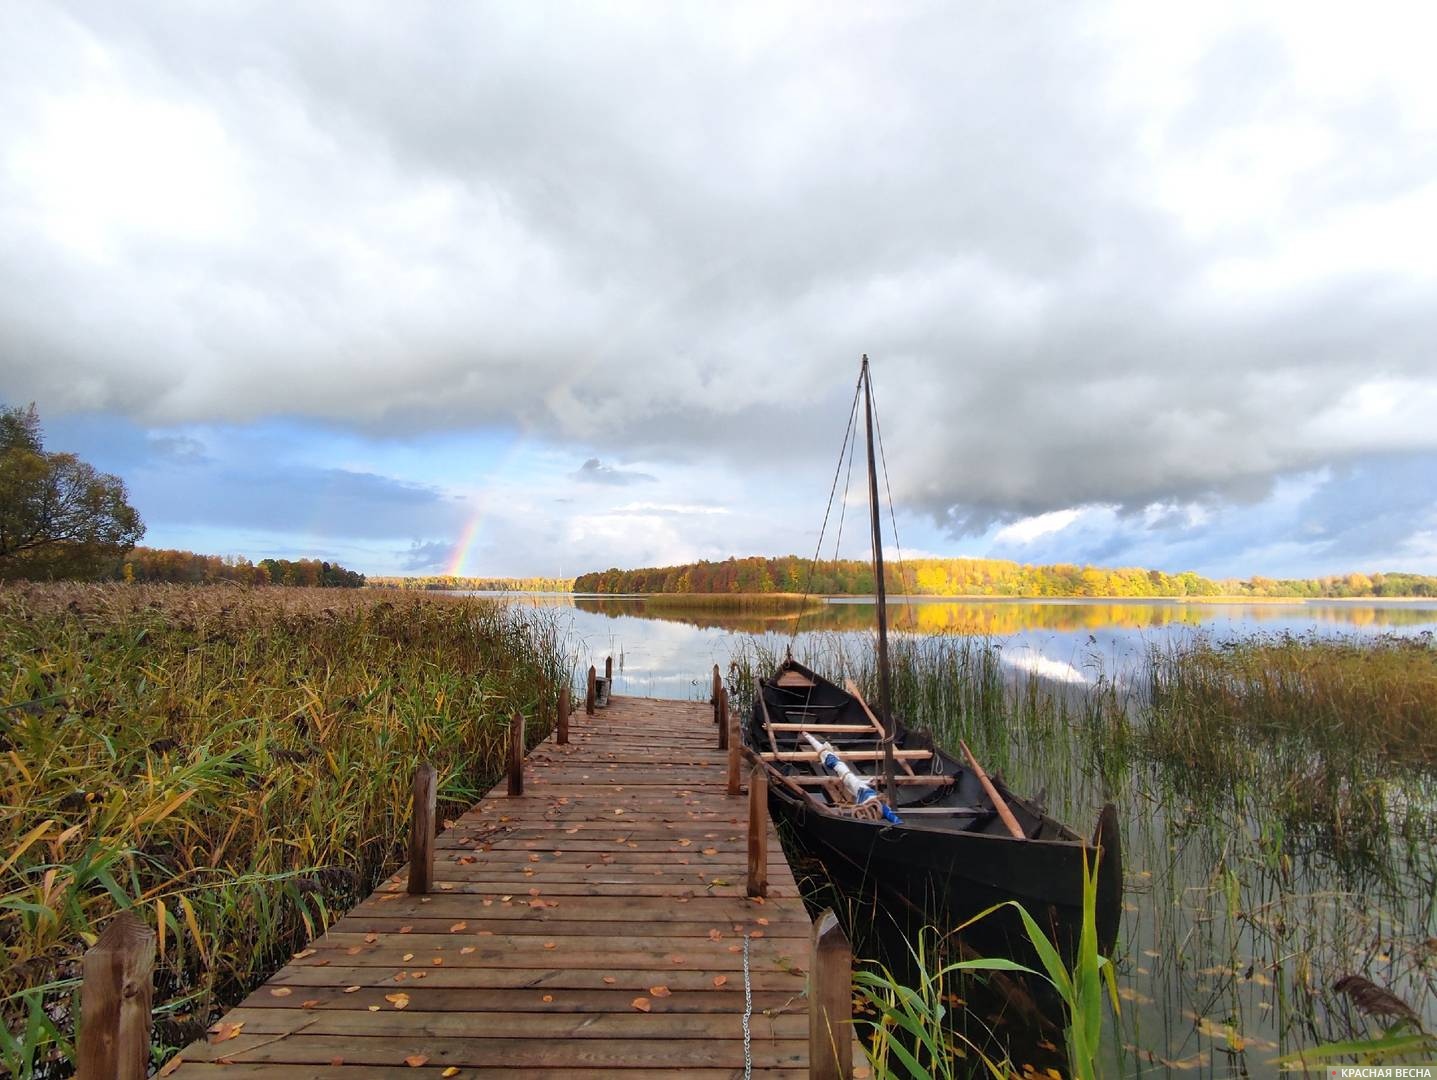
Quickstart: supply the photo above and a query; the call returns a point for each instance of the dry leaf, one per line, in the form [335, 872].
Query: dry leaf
[610, 980]
[371, 938]
[641, 1003]
[715, 934]
[399, 1000]
[437, 961]
[416, 1060]
[224, 1031]
[280, 991]
[405, 929]
[350, 989]
[710, 851]
[719, 980]
[756, 933]
[407, 957]
[466, 950]
[451, 1071]
[336, 1061]
[171, 1065]
[303, 953]
[309, 1003]
[548, 997]
[761, 921]
[374, 1008]
[458, 926]
[659, 991]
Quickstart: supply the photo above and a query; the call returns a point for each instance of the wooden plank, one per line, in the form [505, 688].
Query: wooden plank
[623, 867]
[848, 755]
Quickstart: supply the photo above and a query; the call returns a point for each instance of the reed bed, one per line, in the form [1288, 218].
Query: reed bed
[1279, 805]
[232, 765]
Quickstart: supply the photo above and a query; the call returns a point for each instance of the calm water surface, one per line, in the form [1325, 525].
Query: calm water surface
[667, 653]
[1228, 951]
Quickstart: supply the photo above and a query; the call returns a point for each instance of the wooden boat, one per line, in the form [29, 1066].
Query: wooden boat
[887, 810]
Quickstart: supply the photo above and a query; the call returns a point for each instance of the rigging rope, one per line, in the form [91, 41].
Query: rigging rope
[818, 548]
[888, 490]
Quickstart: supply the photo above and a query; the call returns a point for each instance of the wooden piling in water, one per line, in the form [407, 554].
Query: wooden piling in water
[593, 690]
[757, 831]
[609, 672]
[516, 754]
[115, 998]
[422, 830]
[830, 1009]
[714, 692]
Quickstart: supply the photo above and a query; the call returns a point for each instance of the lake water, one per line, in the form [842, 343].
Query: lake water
[668, 653]
[1232, 935]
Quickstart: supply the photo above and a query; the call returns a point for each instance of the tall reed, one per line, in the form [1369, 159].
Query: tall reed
[232, 765]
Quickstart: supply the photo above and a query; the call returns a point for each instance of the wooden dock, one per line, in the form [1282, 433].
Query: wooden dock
[596, 925]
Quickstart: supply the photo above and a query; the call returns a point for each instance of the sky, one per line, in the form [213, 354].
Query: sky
[535, 289]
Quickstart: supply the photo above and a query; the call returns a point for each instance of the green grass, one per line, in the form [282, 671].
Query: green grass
[233, 766]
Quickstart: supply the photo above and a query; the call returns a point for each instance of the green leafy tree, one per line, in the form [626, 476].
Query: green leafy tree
[59, 517]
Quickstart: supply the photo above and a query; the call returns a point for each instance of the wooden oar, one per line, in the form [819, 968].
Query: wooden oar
[998, 803]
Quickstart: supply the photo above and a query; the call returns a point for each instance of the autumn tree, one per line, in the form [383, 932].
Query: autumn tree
[59, 517]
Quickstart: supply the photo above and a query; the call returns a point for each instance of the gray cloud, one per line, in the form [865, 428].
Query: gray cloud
[594, 471]
[668, 234]
[429, 555]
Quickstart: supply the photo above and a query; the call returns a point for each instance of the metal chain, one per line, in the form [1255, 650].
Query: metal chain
[747, 1012]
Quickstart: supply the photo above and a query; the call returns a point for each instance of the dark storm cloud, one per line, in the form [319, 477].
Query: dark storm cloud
[594, 471]
[667, 233]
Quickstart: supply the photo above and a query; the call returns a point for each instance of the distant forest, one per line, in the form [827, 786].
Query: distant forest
[188, 567]
[477, 584]
[980, 577]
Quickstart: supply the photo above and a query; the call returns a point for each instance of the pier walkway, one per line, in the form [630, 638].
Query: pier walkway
[595, 926]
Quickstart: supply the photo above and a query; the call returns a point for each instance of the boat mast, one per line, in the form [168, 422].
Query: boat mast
[885, 699]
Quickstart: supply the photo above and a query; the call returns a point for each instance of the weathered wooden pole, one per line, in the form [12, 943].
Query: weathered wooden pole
[516, 754]
[830, 1008]
[562, 724]
[714, 695]
[734, 745]
[721, 711]
[609, 672]
[115, 1002]
[757, 831]
[589, 698]
[421, 831]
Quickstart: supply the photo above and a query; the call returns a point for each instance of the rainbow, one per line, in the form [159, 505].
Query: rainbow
[461, 548]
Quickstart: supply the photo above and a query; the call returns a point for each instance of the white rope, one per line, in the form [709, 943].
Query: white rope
[747, 1012]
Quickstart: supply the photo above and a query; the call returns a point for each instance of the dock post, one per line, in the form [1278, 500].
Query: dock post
[609, 672]
[589, 699]
[714, 694]
[734, 744]
[721, 714]
[115, 999]
[830, 1008]
[421, 831]
[561, 725]
[757, 831]
[516, 753]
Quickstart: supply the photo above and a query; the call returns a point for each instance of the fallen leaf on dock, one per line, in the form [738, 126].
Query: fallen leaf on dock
[610, 980]
[407, 957]
[370, 939]
[458, 926]
[309, 1003]
[416, 1060]
[224, 1031]
[641, 1003]
[548, 997]
[451, 1071]
[405, 929]
[303, 953]
[350, 989]
[549, 945]
[715, 935]
[399, 1000]
[659, 991]
[281, 991]
[719, 980]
